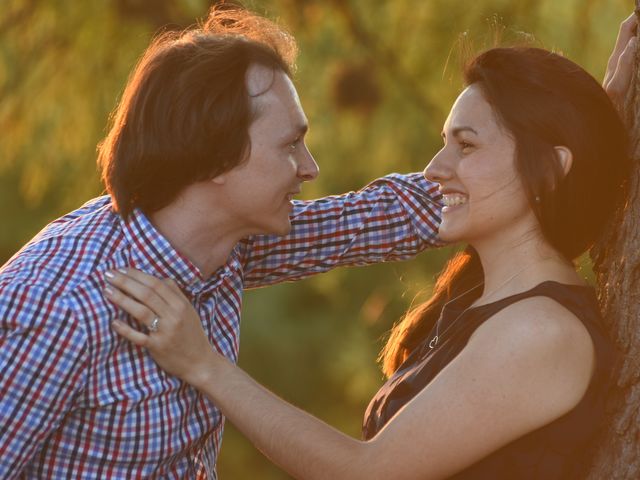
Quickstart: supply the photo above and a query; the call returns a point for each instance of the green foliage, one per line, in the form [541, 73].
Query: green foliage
[372, 79]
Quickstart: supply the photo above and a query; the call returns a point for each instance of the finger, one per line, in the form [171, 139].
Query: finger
[144, 294]
[177, 299]
[627, 30]
[134, 336]
[140, 312]
[173, 286]
[172, 296]
[621, 79]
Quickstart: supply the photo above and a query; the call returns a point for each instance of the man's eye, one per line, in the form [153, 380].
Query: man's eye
[465, 145]
[293, 145]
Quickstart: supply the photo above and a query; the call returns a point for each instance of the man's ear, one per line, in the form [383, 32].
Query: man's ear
[565, 157]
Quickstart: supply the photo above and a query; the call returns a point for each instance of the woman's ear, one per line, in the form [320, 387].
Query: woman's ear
[565, 157]
[220, 179]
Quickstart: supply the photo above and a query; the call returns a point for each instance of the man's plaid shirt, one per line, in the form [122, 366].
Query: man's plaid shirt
[77, 401]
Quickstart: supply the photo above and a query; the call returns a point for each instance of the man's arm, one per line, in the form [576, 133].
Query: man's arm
[392, 218]
[42, 367]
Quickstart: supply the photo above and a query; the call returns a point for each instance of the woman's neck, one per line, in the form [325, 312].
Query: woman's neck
[515, 266]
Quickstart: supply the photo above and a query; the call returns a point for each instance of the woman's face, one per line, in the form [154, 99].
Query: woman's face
[482, 192]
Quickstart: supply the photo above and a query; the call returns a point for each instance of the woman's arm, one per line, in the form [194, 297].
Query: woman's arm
[617, 77]
[523, 368]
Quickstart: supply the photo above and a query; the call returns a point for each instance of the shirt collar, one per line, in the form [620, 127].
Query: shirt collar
[154, 254]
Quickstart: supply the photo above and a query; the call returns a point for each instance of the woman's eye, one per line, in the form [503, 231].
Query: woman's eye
[465, 145]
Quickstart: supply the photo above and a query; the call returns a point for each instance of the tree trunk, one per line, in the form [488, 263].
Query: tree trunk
[617, 267]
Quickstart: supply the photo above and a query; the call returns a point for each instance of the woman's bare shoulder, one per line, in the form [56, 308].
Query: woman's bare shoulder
[543, 339]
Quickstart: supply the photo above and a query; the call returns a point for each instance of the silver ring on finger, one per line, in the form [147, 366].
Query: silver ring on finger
[155, 323]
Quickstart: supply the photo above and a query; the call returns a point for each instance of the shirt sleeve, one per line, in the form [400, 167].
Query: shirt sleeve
[42, 367]
[392, 218]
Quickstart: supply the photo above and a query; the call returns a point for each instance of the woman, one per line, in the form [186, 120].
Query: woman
[502, 374]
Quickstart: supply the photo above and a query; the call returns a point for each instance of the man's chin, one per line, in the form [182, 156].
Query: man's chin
[285, 230]
[279, 230]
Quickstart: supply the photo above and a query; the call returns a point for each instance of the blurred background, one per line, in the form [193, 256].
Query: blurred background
[376, 79]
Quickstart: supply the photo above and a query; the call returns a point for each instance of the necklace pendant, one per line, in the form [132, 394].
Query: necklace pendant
[433, 342]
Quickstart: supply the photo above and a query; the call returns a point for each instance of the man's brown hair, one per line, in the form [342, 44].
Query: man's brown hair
[185, 112]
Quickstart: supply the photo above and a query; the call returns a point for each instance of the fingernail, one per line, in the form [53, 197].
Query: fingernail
[108, 290]
[123, 271]
[109, 275]
[116, 323]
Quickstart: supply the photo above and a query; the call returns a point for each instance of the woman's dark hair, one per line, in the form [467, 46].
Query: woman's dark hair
[543, 100]
[185, 112]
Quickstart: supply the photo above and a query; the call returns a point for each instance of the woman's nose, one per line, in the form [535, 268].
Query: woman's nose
[438, 168]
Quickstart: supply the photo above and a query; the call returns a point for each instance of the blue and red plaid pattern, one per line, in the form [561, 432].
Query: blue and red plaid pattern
[77, 401]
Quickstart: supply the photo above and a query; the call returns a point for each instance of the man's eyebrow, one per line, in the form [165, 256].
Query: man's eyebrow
[458, 130]
[297, 132]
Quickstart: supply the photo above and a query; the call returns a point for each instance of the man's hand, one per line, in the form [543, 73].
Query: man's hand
[620, 66]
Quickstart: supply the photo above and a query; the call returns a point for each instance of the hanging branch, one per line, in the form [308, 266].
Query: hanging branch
[17, 18]
[386, 58]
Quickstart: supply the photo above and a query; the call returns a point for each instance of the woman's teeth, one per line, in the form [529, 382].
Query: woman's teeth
[452, 199]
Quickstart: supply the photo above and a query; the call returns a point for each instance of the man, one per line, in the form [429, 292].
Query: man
[204, 156]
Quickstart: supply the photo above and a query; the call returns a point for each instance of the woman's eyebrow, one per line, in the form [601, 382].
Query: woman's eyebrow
[459, 130]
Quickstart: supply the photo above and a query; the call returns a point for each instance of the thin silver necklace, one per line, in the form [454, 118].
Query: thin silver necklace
[434, 341]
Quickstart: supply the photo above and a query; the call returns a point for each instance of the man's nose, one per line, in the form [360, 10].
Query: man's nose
[308, 169]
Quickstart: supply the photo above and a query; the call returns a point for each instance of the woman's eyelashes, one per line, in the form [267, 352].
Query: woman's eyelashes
[460, 143]
[465, 146]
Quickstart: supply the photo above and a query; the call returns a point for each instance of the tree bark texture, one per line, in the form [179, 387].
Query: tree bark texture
[617, 267]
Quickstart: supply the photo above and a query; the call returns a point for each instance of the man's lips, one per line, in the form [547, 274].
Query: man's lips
[292, 194]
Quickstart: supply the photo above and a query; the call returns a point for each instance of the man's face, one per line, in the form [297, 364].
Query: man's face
[259, 190]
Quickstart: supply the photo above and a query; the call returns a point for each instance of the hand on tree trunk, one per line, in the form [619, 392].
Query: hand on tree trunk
[620, 66]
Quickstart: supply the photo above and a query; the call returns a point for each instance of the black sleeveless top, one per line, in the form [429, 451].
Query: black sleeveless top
[558, 450]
